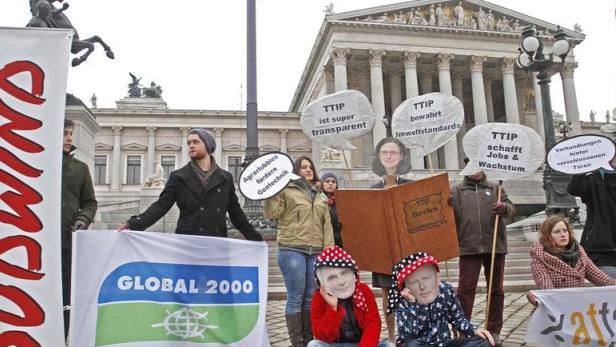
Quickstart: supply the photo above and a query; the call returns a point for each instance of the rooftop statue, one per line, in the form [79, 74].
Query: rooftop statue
[45, 15]
[153, 91]
[134, 88]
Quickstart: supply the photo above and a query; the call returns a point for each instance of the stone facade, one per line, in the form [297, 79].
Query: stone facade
[389, 53]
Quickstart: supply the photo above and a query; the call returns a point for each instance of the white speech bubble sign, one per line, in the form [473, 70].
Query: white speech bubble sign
[503, 151]
[266, 176]
[334, 119]
[582, 154]
[426, 122]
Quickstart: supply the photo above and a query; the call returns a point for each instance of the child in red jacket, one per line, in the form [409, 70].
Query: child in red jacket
[343, 311]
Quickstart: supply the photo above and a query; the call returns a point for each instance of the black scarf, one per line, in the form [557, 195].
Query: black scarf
[571, 254]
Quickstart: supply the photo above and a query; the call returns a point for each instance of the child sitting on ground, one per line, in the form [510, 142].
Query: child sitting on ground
[425, 305]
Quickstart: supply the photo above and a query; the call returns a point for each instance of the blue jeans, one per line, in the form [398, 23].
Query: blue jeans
[298, 273]
[318, 343]
[609, 270]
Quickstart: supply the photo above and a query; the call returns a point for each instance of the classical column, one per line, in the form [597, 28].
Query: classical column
[184, 152]
[339, 56]
[487, 87]
[571, 106]
[330, 86]
[395, 89]
[479, 96]
[218, 139]
[410, 74]
[151, 149]
[458, 92]
[443, 62]
[116, 158]
[511, 99]
[412, 89]
[375, 57]
[283, 139]
[538, 106]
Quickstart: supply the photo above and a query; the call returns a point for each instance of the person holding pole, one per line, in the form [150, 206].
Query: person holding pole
[480, 207]
[391, 159]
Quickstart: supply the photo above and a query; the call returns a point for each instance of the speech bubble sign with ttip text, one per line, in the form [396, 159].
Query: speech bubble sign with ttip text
[503, 151]
[266, 176]
[335, 119]
[582, 154]
[426, 122]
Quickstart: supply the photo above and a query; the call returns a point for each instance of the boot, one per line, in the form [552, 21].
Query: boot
[306, 327]
[294, 327]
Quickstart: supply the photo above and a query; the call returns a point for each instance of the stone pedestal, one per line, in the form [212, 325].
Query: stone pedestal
[141, 104]
[168, 222]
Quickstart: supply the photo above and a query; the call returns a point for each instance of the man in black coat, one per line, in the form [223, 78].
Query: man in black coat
[78, 208]
[203, 192]
[598, 191]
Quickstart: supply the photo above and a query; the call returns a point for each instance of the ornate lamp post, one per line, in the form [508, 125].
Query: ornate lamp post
[533, 59]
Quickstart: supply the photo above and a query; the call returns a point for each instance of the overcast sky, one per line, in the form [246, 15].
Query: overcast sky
[195, 49]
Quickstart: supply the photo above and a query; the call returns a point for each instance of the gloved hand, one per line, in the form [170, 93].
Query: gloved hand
[451, 201]
[79, 225]
[499, 208]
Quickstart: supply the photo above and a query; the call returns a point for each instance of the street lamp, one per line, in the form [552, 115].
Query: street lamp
[533, 59]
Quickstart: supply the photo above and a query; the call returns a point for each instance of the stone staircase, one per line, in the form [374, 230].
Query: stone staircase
[517, 270]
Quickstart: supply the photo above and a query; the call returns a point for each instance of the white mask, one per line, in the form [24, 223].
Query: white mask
[424, 284]
[338, 282]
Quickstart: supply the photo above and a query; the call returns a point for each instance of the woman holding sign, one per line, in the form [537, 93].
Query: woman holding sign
[304, 231]
[391, 159]
[558, 261]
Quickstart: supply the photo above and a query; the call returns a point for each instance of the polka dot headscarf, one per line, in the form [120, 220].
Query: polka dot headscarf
[338, 258]
[401, 271]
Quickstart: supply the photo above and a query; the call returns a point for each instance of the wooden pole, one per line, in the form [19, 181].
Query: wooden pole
[495, 234]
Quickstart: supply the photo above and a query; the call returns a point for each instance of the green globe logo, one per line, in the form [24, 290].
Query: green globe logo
[185, 323]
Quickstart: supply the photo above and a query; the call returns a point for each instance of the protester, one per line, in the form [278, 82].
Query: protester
[391, 159]
[304, 230]
[598, 191]
[425, 305]
[204, 193]
[78, 209]
[330, 184]
[344, 311]
[558, 261]
[475, 208]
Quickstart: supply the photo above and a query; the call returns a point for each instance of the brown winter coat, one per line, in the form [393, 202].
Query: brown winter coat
[474, 217]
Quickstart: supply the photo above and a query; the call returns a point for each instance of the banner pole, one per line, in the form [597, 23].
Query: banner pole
[496, 220]
[347, 169]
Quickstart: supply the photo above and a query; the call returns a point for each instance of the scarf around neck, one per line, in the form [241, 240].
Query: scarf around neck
[570, 255]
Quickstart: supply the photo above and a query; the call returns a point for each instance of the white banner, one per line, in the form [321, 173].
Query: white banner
[152, 289]
[426, 122]
[333, 120]
[574, 316]
[33, 75]
[581, 154]
[503, 151]
[266, 176]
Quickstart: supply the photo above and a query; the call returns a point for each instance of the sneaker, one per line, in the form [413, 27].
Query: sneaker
[497, 340]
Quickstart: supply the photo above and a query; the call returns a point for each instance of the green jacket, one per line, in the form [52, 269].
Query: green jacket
[78, 200]
[302, 221]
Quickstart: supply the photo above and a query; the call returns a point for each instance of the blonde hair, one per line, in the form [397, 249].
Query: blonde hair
[545, 233]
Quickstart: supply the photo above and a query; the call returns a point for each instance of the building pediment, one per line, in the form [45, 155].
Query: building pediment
[459, 15]
[233, 147]
[299, 148]
[134, 147]
[99, 146]
[168, 147]
[269, 148]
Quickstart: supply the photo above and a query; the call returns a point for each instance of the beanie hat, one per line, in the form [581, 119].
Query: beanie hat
[206, 137]
[404, 269]
[328, 175]
[337, 257]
